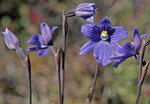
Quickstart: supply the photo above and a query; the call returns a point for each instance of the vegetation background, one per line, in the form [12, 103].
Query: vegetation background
[114, 86]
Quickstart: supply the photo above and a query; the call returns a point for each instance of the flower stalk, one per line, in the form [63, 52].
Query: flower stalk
[57, 61]
[64, 32]
[91, 92]
[28, 69]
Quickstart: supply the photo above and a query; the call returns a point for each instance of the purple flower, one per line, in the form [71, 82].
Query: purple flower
[11, 40]
[42, 42]
[13, 43]
[129, 49]
[103, 40]
[86, 11]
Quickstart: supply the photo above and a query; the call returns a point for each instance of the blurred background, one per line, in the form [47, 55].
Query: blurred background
[114, 86]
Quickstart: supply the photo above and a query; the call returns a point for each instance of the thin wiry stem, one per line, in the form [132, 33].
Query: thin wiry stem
[57, 61]
[144, 71]
[90, 96]
[64, 30]
[28, 69]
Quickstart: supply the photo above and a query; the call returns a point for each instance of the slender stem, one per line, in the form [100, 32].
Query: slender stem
[64, 30]
[144, 72]
[139, 92]
[57, 61]
[28, 69]
[90, 96]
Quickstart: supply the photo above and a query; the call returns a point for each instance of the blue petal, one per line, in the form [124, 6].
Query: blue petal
[46, 33]
[105, 24]
[103, 51]
[118, 33]
[116, 63]
[86, 10]
[43, 52]
[127, 48]
[92, 32]
[91, 19]
[37, 40]
[88, 47]
[115, 46]
[31, 49]
[137, 40]
[53, 29]
[144, 35]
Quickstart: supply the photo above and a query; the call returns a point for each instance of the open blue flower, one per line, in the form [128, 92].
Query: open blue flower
[42, 42]
[129, 49]
[103, 40]
[86, 11]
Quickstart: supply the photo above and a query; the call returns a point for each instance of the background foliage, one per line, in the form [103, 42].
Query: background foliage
[114, 86]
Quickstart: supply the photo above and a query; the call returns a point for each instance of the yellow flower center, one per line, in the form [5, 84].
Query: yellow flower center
[132, 42]
[104, 35]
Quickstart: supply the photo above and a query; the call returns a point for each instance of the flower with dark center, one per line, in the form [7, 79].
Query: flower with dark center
[42, 42]
[103, 40]
[129, 49]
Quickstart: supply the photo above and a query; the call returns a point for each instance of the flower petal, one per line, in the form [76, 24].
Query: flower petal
[103, 51]
[88, 47]
[11, 40]
[9, 44]
[37, 40]
[46, 33]
[43, 52]
[144, 35]
[86, 10]
[32, 49]
[92, 32]
[105, 24]
[116, 63]
[53, 29]
[127, 48]
[136, 38]
[118, 33]
[115, 46]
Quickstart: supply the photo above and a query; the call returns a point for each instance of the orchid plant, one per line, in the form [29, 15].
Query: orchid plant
[103, 40]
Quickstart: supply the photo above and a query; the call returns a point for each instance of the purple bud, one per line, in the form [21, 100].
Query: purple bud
[86, 11]
[11, 40]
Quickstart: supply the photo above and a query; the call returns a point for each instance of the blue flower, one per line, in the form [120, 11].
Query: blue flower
[42, 42]
[103, 40]
[86, 11]
[13, 43]
[129, 49]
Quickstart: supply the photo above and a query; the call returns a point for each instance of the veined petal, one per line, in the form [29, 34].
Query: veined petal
[9, 44]
[92, 32]
[127, 48]
[37, 40]
[116, 63]
[86, 10]
[103, 51]
[43, 52]
[118, 33]
[11, 40]
[32, 49]
[46, 33]
[115, 46]
[105, 24]
[137, 40]
[88, 47]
